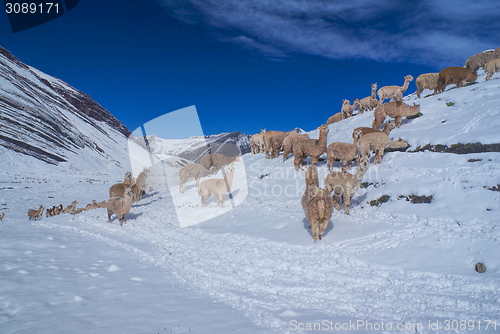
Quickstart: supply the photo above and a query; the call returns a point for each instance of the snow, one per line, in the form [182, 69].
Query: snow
[254, 267]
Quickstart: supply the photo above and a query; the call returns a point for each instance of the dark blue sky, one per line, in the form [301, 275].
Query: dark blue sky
[252, 65]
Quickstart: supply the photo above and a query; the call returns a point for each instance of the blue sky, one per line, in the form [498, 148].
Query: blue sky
[248, 65]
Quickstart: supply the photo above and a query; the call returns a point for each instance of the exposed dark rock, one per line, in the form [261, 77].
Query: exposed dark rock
[459, 148]
[380, 200]
[480, 268]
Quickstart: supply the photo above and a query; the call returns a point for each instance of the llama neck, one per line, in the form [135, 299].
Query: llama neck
[322, 139]
[374, 92]
[229, 179]
[359, 176]
[405, 86]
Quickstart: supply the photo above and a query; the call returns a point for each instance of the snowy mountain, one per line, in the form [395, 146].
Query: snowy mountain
[393, 265]
[193, 148]
[45, 118]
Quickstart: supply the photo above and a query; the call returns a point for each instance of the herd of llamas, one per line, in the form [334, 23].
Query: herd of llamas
[121, 197]
[317, 203]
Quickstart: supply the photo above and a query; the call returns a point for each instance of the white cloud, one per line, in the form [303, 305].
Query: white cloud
[420, 31]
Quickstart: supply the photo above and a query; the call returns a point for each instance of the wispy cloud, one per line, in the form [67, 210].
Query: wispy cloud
[423, 32]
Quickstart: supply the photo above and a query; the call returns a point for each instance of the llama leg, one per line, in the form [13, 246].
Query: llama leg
[398, 120]
[110, 213]
[297, 161]
[204, 200]
[314, 160]
[198, 177]
[219, 200]
[336, 199]
[315, 230]
[322, 227]
[347, 204]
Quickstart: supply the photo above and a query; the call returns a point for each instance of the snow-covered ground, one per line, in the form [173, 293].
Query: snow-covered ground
[255, 268]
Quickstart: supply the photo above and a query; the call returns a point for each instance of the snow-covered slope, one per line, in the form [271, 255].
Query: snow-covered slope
[255, 268]
[45, 118]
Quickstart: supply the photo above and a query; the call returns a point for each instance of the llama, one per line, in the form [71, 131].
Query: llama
[92, 205]
[79, 210]
[316, 203]
[348, 109]
[369, 102]
[71, 208]
[344, 151]
[491, 67]
[36, 214]
[337, 117]
[194, 170]
[103, 204]
[310, 148]
[140, 186]
[394, 92]
[289, 141]
[454, 75]
[49, 212]
[257, 142]
[119, 188]
[345, 185]
[377, 142]
[216, 160]
[480, 60]
[217, 187]
[426, 81]
[1, 216]
[389, 126]
[396, 110]
[273, 143]
[120, 205]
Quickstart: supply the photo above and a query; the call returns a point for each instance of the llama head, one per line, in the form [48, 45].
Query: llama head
[128, 177]
[357, 134]
[408, 78]
[364, 163]
[311, 176]
[128, 192]
[391, 125]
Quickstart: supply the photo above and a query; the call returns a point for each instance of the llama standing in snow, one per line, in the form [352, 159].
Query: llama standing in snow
[120, 205]
[118, 189]
[491, 67]
[344, 184]
[257, 142]
[316, 203]
[454, 75]
[396, 110]
[310, 148]
[289, 141]
[194, 170]
[346, 152]
[426, 81]
[369, 102]
[377, 142]
[394, 92]
[217, 187]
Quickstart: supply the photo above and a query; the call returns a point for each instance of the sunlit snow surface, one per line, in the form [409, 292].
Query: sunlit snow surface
[255, 268]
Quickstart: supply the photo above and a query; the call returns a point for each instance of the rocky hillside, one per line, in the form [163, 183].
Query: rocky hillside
[46, 118]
